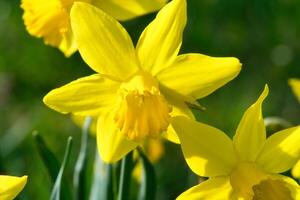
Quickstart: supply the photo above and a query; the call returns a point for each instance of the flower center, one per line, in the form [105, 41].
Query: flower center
[250, 182]
[142, 111]
[271, 189]
[244, 177]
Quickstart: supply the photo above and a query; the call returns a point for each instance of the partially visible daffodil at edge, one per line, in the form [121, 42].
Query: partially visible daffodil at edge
[51, 19]
[136, 91]
[11, 186]
[245, 168]
[295, 85]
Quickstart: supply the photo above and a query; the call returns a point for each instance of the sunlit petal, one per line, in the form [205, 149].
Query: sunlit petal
[102, 42]
[160, 42]
[251, 133]
[218, 188]
[124, 10]
[281, 151]
[198, 75]
[207, 150]
[295, 85]
[11, 186]
[296, 170]
[112, 144]
[86, 96]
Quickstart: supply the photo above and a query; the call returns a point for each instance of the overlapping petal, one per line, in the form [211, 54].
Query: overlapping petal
[112, 144]
[295, 85]
[11, 186]
[296, 170]
[281, 151]
[179, 108]
[86, 96]
[218, 188]
[102, 42]
[160, 42]
[207, 150]
[68, 44]
[198, 75]
[124, 10]
[250, 135]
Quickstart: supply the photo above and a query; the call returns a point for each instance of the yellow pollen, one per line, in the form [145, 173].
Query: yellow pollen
[272, 190]
[244, 176]
[142, 111]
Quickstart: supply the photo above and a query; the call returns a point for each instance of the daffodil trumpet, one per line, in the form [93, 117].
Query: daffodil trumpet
[247, 167]
[136, 91]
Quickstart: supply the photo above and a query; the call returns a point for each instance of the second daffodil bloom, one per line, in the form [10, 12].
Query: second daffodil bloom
[136, 90]
[50, 19]
[246, 168]
[11, 186]
[295, 85]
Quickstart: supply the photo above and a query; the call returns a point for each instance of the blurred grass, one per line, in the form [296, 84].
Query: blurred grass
[262, 34]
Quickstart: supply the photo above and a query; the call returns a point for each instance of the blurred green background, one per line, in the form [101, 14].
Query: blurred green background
[264, 35]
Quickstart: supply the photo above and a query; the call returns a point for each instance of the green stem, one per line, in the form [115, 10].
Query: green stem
[102, 187]
[80, 167]
[125, 176]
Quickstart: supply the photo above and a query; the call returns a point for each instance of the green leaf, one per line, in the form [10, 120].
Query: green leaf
[48, 157]
[51, 162]
[81, 163]
[55, 195]
[125, 177]
[102, 187]
[147, 189]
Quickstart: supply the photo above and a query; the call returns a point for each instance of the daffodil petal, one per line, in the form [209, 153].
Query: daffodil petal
[296, 170]
[198, 75]
[250, 135]
[207, 150]
[281, 151]
[295, 85]
[112, 144]
[86, 96]
[179, 108]
[11, 186]
[102, 42]
[160, 42]
[68, 44]
[125, 10]
[217, 188]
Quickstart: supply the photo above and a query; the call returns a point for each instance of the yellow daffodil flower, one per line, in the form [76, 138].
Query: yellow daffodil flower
[246, 168]
[51, 19]
[295, 85]
[136, 90]
[11, 186]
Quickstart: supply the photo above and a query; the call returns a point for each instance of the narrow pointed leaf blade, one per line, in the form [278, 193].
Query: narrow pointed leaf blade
[55, 194]
[102, 187]
[81, 163]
